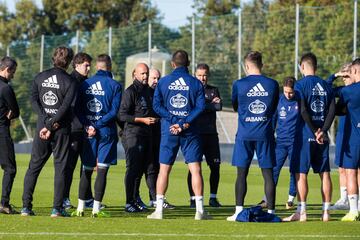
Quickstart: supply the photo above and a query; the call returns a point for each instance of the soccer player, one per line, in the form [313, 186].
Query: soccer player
[9, 109]
[342, 203]
[136, 112]
[178, 100]
[312, 145]
[81, 64]
[51, 96]
[98, 103]
[350, 98]
[255, 98]
[206, 123]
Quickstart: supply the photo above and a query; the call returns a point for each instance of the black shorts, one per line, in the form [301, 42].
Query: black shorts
[211, 148]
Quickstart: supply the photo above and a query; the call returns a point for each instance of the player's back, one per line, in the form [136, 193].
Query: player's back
[257, 98]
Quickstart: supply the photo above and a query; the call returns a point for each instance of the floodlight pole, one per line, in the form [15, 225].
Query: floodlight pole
[239, 44]
[296, 41]
[149, 45]
[355, 29]
[110, 40]
[77, 41]
[42, 52]
[193, 45]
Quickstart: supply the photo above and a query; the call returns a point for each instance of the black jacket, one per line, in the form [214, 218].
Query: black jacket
[136, 102]
[206, 121]
[52, 93]
[7, 102]
[76, 125]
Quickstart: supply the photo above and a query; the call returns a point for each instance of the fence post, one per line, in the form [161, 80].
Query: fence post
[42, 53]
[239, 44]
[355, 29]
[8, 51]
[193, 45]
[149, 44]
[296, 41]
[77, 41]
[110, 40]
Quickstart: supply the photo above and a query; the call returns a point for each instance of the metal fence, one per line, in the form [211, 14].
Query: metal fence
[282, 34]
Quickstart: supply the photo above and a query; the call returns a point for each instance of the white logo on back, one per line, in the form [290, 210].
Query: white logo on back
[317, 106]
[179, 84]
[50, 98]
[178, 101]
[257, 91]
[94, 105]
[51, 82]
[318, 90]
[257, 107]
[95, 89]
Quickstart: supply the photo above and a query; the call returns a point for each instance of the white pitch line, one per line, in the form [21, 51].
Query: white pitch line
[175, 235]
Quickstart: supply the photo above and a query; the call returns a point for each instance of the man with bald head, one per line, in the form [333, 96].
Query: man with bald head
[137, 114]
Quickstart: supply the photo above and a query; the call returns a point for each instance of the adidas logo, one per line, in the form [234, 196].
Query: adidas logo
[257, 91]
[95, 89]
[179, 85]
[318, 90]
[51, 82]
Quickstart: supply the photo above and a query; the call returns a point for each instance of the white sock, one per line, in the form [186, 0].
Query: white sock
[271, 211]
[301, 207]
[238, 209]
[212, 195]
[81, 205]
[343, 194]
[159, 203]
[192, 198]
[199, 204]
[96, 207]
[326, 206]
[291, 198]
[353, 202]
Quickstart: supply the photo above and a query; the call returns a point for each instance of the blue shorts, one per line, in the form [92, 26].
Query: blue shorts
[99, 151]
[308, 154]
[351, 159]
[244, 153]
[339, 152]
[190, 147]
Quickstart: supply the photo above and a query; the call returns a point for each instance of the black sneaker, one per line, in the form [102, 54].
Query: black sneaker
[141, 204]
[167, 205]
[213, 202]
[8, 210]
[192, 203]
[131, 208]
[262, 204]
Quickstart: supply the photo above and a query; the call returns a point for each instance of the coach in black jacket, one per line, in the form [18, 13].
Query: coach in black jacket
[51, 97]
[9, 109]
[136, 112]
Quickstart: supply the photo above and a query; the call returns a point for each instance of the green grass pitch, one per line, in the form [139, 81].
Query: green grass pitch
[178, 223]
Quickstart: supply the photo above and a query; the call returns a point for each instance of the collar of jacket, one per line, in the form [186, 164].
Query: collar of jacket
[181, 70]
[104, 73]
[138, 84]
[79, 77]
[4, 79]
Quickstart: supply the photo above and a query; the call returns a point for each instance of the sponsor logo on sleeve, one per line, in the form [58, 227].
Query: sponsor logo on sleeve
[257, 107]
[179, 84]
[50, 98]
[95, 89]
[257, 91]
[51, 82]
[94, 105]
[318, 90]
[178, 101]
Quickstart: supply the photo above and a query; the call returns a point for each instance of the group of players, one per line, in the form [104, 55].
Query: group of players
[78, 116]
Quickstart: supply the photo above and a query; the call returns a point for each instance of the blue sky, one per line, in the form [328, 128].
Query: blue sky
[175, 12]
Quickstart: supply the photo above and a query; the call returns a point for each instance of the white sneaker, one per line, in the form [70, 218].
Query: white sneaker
[231, 218]
[359, 206]
[155, 215]
[340, 205]
[202, 216]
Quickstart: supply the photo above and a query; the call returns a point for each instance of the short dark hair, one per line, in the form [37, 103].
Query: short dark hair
[289, 82]
[105, 59]
[355, 62]
[203, 66]
[62, 57]
[254, 57]
[7, 62]
[310, 58]
[180, 58]
[80, 58]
